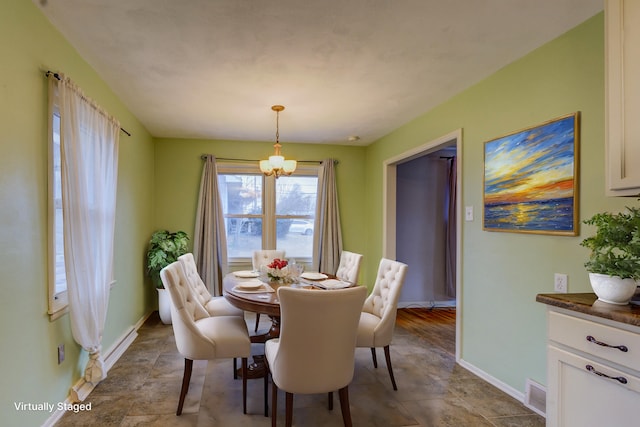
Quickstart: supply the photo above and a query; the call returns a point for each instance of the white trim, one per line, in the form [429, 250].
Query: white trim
[81, 389]
[518, 395]
[389, 168]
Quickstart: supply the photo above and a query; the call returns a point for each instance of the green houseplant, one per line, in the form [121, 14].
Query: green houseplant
[614, 261]
[164, 248]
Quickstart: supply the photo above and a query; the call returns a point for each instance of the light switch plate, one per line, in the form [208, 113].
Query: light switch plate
[468, 213]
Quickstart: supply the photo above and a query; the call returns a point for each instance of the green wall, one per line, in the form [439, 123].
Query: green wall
[179, 169]
[29, 46]
[503, 328]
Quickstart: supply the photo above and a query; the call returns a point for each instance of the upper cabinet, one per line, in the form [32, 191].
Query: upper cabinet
[622, 87]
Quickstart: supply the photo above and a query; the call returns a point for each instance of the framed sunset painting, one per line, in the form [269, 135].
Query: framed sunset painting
[531, 179]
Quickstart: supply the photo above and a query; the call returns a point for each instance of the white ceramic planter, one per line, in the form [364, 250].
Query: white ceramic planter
[164, 306]
[613, 289]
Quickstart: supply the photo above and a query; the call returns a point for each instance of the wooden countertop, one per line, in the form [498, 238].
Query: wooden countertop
[588, 303]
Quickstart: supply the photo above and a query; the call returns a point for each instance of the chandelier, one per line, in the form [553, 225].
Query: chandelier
[277, 165]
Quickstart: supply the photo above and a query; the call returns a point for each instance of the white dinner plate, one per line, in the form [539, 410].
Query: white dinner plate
[251, 285]
[246, 274]
[310, 275]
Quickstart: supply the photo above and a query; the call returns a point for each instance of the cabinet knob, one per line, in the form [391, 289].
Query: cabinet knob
[622, 348]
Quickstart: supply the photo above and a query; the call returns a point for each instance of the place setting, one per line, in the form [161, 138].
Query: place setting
[252, 284]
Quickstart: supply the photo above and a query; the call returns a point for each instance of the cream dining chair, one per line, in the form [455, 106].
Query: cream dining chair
[261, 258]
[215, 306]
[318, 362]
[349, 267]
[199, 336]
[378, 317]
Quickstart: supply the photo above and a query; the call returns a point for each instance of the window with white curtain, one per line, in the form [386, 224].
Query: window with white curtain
[267, 213]
[58, 299]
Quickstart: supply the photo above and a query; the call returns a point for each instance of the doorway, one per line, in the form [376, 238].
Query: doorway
[392, 235]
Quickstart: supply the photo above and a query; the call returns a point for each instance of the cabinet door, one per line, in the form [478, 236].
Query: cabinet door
[622, 32]
[580, 395]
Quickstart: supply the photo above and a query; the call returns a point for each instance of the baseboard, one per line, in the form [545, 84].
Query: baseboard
[81, 389]
[428, 304]
[518, 395]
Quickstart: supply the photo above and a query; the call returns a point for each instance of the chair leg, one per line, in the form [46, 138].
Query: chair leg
[186, 377]
[235, 368]
[330, 400]
[244, 385]
[289, 409]
[274, 403]
[387, 357]
[373, 356]
[344, 406]
[266, 393]
[257, 322]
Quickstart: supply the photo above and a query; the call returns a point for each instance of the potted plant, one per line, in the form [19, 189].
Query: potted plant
[164, 248]
[614, 262]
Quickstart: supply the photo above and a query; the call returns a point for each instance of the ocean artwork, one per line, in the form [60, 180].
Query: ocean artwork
[530, 179]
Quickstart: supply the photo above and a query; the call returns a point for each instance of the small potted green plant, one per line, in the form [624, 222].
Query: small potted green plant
[614, 261]
[164, 248]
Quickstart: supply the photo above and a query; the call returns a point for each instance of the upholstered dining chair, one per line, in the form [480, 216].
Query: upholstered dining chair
[318, 362]
[261, 258]
[199, 336]
[349, 267]
[215, 306]
[378, 316]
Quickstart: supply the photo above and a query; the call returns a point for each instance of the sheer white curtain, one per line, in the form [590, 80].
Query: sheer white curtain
[209, 237]
[89, 140]
[329, 244]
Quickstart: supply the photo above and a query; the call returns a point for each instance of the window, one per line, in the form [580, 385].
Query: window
[266, 213]
[57, 275]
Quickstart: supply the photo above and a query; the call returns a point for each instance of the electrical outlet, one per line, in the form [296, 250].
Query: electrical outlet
[560, 283]
[60, 353]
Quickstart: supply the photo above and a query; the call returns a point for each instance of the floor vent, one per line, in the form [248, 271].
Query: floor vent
[535, 397]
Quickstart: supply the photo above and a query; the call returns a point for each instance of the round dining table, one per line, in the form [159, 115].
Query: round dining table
[263, 299]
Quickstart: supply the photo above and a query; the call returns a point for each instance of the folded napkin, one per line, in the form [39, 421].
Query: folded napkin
[333, 284]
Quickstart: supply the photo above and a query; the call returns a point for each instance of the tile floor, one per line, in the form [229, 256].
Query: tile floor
[142, 389]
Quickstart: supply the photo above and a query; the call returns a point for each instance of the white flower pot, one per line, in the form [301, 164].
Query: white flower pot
[164, 306]
[613, 289]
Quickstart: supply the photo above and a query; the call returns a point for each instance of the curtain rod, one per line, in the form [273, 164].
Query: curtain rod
[57, 76]
[204, 157]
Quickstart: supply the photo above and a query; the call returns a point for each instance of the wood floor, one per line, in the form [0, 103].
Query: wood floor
[435, 325]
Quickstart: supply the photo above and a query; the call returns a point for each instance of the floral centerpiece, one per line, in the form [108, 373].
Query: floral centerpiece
[278, 271]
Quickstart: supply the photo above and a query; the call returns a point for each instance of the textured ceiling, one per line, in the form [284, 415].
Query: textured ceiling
[213, 68]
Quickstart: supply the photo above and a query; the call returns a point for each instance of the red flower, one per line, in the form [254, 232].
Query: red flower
[278, 263]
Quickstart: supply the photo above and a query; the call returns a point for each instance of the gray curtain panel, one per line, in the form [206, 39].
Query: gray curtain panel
[209, 236]
[329, 245]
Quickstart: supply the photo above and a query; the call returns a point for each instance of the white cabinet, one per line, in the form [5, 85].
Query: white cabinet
[622, 87]
[593, 372]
